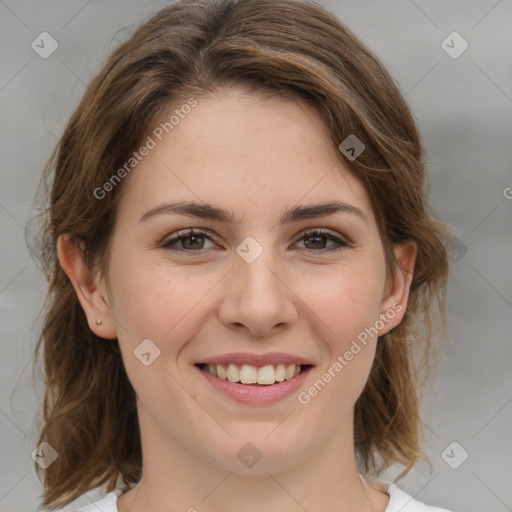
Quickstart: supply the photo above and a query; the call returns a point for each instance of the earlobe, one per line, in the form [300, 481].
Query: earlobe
[87, 283]
[398, 293]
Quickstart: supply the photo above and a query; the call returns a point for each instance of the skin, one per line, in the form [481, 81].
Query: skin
[257, 157]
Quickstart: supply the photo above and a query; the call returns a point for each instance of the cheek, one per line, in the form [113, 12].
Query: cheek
[347, 309]
[151, 299]
[348, 302]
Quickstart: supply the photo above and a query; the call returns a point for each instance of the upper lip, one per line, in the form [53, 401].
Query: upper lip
[240, 358]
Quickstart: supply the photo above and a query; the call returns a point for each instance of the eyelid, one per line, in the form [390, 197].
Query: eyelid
[185, 233]
[341, 240]
[324, 231]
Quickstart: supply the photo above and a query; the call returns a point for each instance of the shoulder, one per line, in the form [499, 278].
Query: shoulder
[107, 504]
[400, 501]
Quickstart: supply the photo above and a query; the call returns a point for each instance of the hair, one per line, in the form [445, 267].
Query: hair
[293, 48]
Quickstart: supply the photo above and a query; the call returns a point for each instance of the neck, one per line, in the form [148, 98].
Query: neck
[176, 478]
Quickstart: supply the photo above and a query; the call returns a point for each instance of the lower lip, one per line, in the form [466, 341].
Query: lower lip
[249, 394]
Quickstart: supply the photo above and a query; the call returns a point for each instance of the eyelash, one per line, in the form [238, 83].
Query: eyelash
[185, 234]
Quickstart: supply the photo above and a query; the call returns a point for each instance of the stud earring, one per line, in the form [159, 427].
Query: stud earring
[98, 322]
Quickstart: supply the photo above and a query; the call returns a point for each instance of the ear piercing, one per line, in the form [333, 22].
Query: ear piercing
[98, 322]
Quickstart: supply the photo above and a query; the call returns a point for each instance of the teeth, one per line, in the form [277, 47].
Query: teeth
[221, 371]
[233, 373]
[247, 374]
[266, 375]
[280, 372]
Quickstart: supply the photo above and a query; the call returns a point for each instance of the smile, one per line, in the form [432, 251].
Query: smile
[253, 375]
[254, 385]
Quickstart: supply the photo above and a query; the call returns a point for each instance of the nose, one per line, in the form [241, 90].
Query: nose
[257, 297]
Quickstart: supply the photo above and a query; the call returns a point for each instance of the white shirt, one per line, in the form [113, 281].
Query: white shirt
[399, 501]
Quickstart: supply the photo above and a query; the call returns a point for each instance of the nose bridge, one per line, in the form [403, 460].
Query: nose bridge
[256, 295]
[256, 264]
[255, 269]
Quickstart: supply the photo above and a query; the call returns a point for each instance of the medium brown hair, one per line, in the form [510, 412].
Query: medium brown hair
[294, 48]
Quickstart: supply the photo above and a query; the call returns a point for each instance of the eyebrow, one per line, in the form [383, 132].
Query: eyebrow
[211, 212]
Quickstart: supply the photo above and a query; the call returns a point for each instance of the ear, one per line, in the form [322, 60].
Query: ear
[396, 295]
[89, 287]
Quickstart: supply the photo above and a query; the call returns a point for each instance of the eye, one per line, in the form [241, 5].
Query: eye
[315, 241]
[191, 241]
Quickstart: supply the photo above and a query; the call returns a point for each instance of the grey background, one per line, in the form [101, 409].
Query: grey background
[464, 109]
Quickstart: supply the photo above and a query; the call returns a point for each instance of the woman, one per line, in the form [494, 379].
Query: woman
[239, 252]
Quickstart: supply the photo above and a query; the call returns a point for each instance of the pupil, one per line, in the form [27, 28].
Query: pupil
[314, 237]
[192, 237]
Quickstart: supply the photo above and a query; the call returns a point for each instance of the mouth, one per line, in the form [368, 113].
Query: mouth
[255, 376]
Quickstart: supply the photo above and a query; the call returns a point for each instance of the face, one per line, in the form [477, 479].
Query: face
[272, 284]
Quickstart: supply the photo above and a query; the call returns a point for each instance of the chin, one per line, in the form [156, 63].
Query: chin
[258, 455]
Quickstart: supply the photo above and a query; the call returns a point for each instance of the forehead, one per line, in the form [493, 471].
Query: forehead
[241, 150]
